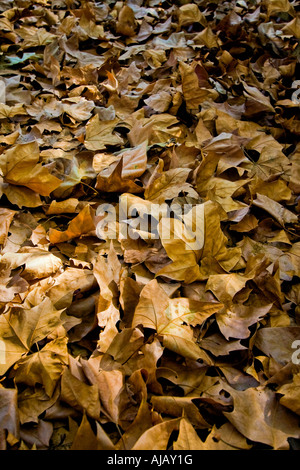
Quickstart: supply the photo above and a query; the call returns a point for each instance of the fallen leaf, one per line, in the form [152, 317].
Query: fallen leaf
[82, 224]
[45, 366]
[254, 417]
[157, 437]
[22, 328]
[19, 166]
[9, 411]
[280, 213]
[99, 134]
[38, 263]
[126, 23]
[80, 395]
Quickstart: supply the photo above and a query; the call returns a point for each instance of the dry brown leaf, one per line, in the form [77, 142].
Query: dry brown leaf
[99, 134]
[126, 23]
[157, 437]
[38, 263]
[260, 417]
[21, 328]
[82, 224]
[19, 166]
[80, 395]
[150, 257]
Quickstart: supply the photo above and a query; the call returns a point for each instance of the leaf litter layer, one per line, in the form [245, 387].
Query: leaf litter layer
[146, 341]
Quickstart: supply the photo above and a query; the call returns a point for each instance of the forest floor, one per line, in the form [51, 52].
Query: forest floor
[149, 225]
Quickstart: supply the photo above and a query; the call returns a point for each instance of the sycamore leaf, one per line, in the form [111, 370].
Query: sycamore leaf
[71, 280]
[38, 263]
[271, 161]
[33, 37]
[188, 438]
[259, 417]
[45, 366]
[21, 328]
[126, 23]
[159, 101]
[78, 108]
[207, 37]
[85, 439]
[39, 437]
[134, 162]
[290, 394]
[151, 307]
[9, 410]
[10, 284]
[6, 217]
[19, 166]
[234, 321]
[177, 406]
[82, 224]
[219, 346]
[224, 438]
[279, 212]
[256, 101]
[79, 395]
[149, 220]
[143, 418]
[157, 437]
[21, 196]
[168, 185]
[11, 111]
[189, 14]
[72, 172]
[116, 182]
[193, 94]
[277, 342]
[216, 256]
[110, 384]
[158, 129]
[170, 319]
[225, 286]
[183, 242]
[99, 134]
